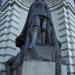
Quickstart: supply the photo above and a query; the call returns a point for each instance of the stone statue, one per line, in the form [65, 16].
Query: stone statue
[38, 31]
[38, 22]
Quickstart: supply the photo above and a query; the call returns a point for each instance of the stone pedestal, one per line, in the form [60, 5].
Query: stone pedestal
[38, 68]
[35, 62]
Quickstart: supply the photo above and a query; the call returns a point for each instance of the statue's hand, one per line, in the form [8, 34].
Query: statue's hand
[19, 41]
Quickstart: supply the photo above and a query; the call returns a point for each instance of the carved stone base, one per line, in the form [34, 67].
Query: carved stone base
[38, 68]
[41, 53]
[35, 68]
[38, 61]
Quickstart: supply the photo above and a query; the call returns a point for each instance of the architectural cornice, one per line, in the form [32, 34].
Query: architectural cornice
[27, 3]
[6, 4]
[68, 5]
[10, 3]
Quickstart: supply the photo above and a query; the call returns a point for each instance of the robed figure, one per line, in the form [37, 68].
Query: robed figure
[39, 31]
[38, 26]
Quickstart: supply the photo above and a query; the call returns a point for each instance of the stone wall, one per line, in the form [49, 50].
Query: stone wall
[64, 22]
[9, 23]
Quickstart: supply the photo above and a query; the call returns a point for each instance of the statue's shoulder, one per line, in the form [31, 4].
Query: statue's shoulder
[33, 4]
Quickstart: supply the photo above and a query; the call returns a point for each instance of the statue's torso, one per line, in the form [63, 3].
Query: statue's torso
[41, 8]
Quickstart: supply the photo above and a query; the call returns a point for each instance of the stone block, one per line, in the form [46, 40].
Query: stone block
[38, 68]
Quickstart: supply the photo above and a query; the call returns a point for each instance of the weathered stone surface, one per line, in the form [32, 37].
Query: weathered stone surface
[2, 73]
[63, 70]
[46, 52]
[38, 68]
[41, 53]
